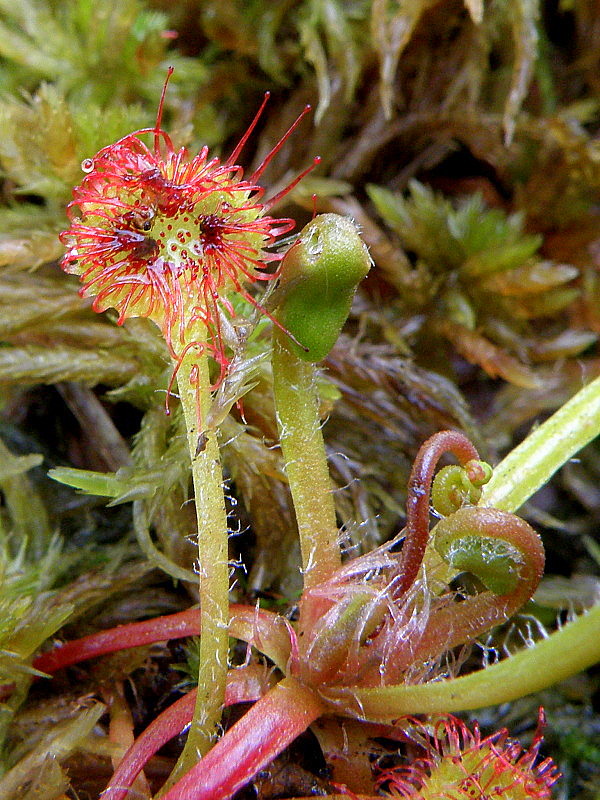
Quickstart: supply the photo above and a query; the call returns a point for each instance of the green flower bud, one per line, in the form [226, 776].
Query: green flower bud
[319, 276]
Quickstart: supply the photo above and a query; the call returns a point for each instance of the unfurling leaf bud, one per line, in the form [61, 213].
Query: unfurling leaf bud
[502, 550]
[319, 276]
[455, 486]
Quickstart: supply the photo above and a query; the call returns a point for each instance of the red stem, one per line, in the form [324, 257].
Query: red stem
[123, 637]
[256, 626]
[261, 734]
[243, 685]
[417, 504]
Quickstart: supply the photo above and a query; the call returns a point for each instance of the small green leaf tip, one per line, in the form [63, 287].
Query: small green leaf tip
[89, 482]
[319, 276]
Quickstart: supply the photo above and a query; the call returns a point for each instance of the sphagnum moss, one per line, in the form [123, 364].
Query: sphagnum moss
[90, 75]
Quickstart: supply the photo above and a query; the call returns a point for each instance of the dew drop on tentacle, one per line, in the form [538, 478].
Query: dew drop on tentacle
[191, 230]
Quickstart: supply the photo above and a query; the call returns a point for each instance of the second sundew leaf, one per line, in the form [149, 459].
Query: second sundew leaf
[453, 486]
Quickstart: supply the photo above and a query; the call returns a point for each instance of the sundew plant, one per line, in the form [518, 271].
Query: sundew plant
[165, 236]
[300, 401]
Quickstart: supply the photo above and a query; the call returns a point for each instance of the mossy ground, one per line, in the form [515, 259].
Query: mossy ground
[463, 139]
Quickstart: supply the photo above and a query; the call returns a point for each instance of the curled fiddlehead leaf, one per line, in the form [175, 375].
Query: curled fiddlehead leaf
[419, 488]
[504, 553]
[501, 549]
[454, 486]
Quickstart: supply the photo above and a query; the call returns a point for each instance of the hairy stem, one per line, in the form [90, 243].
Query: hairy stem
[305, 461]
[194, 390]
[417, 503]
